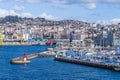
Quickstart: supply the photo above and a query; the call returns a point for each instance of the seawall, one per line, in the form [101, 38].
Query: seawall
[89, 63]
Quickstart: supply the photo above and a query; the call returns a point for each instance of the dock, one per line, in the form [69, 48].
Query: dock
[19, 60]
[22, 44]
[89, 63]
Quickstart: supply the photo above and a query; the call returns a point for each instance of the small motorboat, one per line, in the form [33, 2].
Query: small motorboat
[116, 69]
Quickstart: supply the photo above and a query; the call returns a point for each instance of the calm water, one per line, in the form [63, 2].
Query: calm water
[47, 68]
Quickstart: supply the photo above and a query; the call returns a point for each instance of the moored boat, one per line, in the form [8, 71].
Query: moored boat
[117, 69]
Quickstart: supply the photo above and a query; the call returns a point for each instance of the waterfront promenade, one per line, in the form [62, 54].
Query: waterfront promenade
[22, 43]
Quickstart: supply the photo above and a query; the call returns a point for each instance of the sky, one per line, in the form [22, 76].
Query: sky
[93, 11]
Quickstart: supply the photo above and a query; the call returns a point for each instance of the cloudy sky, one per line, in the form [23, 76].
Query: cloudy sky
[93, 11]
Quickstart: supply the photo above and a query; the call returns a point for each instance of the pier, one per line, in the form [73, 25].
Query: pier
[89, 63]
[22, 44]
[19, 60]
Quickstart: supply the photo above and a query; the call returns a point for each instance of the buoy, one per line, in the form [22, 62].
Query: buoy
[25, 57]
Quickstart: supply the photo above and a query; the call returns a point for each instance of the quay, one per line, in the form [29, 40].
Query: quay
[22, 44]
[89, 63]
[19, 60]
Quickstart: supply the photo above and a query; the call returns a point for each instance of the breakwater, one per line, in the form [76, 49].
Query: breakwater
[89, 63]
[19, 60]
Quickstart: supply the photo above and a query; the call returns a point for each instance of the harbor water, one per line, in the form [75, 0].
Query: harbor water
[47, 68]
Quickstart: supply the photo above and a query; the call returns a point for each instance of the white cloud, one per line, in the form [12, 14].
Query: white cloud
[74, 1]
[48, 16]
[68, 1]
[59, 1]
[33, 1]
[104, 22]
[18, 8]
[88, 1]
[20, 0]
[29, 1]
[90, 5]
[115, 21]
[26, 14]
[5, 0]
[112, 21]
[4, 12]
[12, 12]
[113, 1]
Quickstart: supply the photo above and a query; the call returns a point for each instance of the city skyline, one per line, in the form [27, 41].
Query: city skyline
[93, 11]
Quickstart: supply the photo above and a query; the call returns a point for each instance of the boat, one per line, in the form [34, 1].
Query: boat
[37, 44]
[117, 69]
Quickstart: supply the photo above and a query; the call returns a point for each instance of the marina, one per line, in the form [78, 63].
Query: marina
[89, 63]
[40, 66]
[97, 57]
[90, 57]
